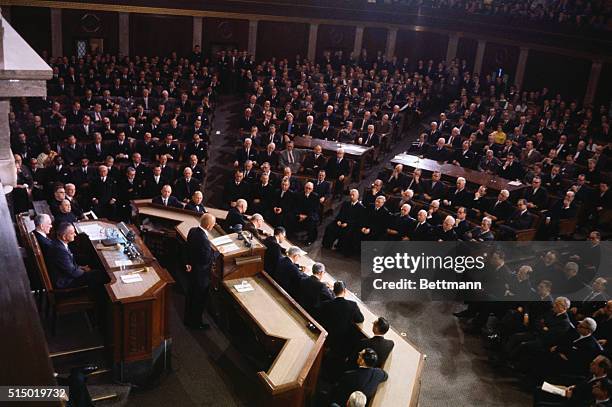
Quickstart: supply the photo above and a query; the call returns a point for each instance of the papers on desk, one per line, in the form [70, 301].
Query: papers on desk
[121, 263]
[93, 231]
[227, 248]
[515, 183]
[221, 240]
[553, 389]
[244, 287]
[131, 278]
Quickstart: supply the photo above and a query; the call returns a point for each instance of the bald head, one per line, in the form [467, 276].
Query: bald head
[207, 221]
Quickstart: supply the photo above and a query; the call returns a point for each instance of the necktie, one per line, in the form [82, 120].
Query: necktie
[165, 201]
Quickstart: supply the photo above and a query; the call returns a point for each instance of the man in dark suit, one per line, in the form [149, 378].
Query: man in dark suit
[422, 230]
[168, 148]
[269, 155]
[72, 152]
[196, 203]
[42, 227]
[536, 195]
[313, 291]
[166, 198]
[439, 152]
[104, 194]
[511, 169]
[196, 147]
[198, 264]
[146, 147]
[154, 183]
[66, 273]
[345, 226]
[185, 187]
[236, 189]
[499, 209]
[120, 148]
[375, 221]
[274, 250]
[463, 157]
[378, 343]
[236, 218]
[247, 152]
[339, 317]
[283, 203]
[338, 169]
[288, 273]
[435, 189]
[521, 219]
[307, 213]
[314, 161]
[365, 378]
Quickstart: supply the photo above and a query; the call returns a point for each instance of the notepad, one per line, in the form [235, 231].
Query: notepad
[553, 389]
[244, 287]
[131, 278]
[218, 241]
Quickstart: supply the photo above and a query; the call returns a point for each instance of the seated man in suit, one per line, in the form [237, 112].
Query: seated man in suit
[236, 216]
[397, 181]
[313, 291]
[435, 188]
[65, 214]
[104, 193]
[459, 196]
[464, 157]
[499, 209]
[338, 169]
[446, 231]
[42, 227]
[322, 187]
[422, 229]
[511, 169]
[375, 221]
[344, 227]
[274, 250]
[288, 273]
[255, 226]
[378, 343]
[66, 273]
[421, 147]
[339, 317]
[489, 163]
[291, 157]
[481, 233]
[439, 152]
[196, 204]
[184, 187]
[314, 161]
[306, 216]
[167, 199]
[365, 378]
[536, 195]
[235, 189]
[247, 152]
[521, 219]
[269, 156]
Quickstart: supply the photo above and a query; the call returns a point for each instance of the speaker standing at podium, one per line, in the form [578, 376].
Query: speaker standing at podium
[200, 257]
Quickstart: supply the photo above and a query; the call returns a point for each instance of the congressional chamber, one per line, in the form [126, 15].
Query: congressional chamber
[192, 192]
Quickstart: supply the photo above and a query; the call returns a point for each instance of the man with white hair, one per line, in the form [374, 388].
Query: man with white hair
[458, 196]
[499, 209]
[247, 152]
[422, 229]
[573, 352]
[235, 216]
[401, 224]
[288, 273]
[345, 223]
[307, 212]
[446, 231]
[42, 227]
[104, 194]
[313, 291]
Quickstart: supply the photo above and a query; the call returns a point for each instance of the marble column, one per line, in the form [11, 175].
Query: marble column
[124, 34]
[358, 40]
[479, 56]
[57, 45]
[252, 47]
[391, 42]
[591, 89]
[312, 42]
[520, 68]
[197, 31]
[451, 49]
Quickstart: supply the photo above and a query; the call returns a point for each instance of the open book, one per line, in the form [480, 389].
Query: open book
[554, 389]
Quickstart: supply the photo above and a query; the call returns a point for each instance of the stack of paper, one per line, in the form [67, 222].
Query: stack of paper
[221, 240]
[244, 287]
[227, 248]
[553, 389]
[131, 278]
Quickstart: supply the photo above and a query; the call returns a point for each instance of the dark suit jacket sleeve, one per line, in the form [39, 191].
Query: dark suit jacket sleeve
[357, 315]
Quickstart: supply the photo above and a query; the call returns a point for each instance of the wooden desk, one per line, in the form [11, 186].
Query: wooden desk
[353, 151]
[405, 363]
[492, 182]
[292, 376]
[184, 220]
[237, 263]
[139, 335]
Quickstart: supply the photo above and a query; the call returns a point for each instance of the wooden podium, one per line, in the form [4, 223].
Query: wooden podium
[138, 333]
[293, 338]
